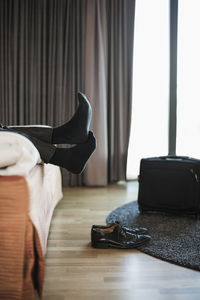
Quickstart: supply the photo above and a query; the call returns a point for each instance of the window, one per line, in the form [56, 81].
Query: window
[151, 88]
[149, 129]
[188, 79]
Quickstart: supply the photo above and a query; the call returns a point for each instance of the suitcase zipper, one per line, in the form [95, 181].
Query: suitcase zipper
[197, 180]
[195, 175]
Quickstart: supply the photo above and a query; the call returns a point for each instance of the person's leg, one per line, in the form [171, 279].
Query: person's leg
[43, 133]
[74, 159]
[73, 132]
[46, 150]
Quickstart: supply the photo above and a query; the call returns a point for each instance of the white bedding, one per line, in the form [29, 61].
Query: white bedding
[18, 156]
[45, 186]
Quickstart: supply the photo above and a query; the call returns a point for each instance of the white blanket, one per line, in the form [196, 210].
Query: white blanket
[18, 155]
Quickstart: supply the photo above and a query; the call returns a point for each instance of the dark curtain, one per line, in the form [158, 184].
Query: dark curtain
[110, 28]
[42, 55]
[49, 50]
[120, 60]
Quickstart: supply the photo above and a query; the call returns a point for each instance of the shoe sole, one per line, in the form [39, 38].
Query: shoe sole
[106, 245]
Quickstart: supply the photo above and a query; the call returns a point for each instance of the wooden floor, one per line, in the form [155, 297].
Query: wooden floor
[76, 271]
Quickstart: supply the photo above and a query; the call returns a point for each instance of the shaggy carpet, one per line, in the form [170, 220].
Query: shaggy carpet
[173, 238]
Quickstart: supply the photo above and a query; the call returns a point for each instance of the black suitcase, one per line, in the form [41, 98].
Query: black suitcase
[169, 184]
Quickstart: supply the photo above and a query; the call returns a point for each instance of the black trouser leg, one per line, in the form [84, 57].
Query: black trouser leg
[39, 132]
[46, 149]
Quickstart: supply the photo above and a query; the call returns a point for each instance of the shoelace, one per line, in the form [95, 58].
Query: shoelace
[123, 231]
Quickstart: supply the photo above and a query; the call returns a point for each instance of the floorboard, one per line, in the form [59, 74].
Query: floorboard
[76, 271]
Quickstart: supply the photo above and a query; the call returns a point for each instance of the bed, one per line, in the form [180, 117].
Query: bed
[29, 192]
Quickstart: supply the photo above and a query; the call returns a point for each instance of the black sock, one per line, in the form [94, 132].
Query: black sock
[74, 159]
[76, 130]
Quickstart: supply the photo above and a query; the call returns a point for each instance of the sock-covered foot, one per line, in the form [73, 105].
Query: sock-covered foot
[75, 159]
[76, 130]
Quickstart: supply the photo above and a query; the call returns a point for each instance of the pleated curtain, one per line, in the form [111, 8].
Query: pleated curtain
[50, 50]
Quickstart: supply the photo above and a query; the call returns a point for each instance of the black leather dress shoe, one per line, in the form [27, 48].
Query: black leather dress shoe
[114, 237]
[135, 230]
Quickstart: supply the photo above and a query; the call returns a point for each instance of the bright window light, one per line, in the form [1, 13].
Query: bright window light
[149, 129]
[188, 80]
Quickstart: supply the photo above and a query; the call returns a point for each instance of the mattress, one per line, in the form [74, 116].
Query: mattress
[29, 192]
[45, 188]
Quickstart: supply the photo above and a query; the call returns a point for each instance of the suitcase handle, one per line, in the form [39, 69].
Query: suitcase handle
[174, 157]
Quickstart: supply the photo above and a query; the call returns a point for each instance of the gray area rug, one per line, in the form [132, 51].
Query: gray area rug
[173, 238]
